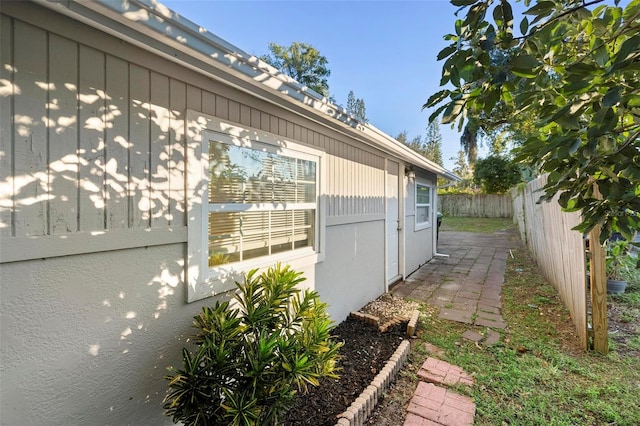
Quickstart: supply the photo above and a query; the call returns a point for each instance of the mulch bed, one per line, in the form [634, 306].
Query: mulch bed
[363, 355]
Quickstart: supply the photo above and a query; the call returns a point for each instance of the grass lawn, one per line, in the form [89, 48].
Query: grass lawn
[536, 374]
[475, 224]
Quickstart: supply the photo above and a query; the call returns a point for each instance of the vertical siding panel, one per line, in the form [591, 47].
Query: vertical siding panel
[222, 107]
[359, 193]
[91, 147]
[30, 149]
[194, 98]
[282, 127]
[6, 132]
[332, 177]
[139, 138]
[234, 111]
[290, 130]
[178, 104]
[208, 103]
[330, 186]
[274, 125]
[255, 118]
[297, 132]
[265, 120]
[63, 135]
[339, 181]
[117, 143]
[160, 149]
[245, 115]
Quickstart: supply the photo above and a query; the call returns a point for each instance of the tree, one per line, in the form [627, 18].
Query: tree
[496, 174]
[356, 107]
[402, 137]
[433, 143]
[430, 147]
[303, 63]
[574, 71]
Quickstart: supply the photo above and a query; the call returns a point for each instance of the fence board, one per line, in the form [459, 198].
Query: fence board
[558, 250]
[476, 205]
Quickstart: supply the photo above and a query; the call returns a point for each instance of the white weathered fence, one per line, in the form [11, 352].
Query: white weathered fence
[476, 205]
[559, 251]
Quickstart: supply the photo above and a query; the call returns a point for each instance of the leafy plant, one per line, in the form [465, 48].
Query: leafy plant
[569, 66]
[253, 357]
[618, 261]
[496, 174]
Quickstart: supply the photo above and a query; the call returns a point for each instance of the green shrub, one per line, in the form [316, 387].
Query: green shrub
[496, 174]
[252, 359]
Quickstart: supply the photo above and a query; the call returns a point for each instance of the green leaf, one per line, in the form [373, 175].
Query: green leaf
[524, 25]
[436, 98]
[524, 65]
[628, 51]
[462, 2]
[541, 9]
[436, 113]
[612, 97]
[446, 52]
[453, 110]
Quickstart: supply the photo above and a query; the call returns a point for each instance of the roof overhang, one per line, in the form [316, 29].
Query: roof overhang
[155, 28]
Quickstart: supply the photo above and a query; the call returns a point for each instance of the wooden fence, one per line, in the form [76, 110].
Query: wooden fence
[558, 250]
[480, 205]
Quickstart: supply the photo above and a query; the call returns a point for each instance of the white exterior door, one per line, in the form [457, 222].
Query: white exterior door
[393, 222]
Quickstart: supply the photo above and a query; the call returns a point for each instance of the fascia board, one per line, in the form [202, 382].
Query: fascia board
[156, 28]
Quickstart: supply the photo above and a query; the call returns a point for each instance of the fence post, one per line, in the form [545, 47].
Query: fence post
[598, 289]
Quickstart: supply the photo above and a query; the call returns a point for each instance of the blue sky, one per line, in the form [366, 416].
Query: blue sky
[385, 51]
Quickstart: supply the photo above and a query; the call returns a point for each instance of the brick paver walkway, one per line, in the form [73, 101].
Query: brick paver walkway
[466, 286]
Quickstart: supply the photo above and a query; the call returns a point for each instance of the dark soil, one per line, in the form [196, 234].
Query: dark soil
[363, 355]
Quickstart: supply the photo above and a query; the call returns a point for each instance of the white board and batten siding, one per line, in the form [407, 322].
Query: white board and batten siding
[80, 170]
[95, 157]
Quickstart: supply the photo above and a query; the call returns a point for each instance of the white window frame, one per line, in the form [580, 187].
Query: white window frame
[423, 225]
[204, 281]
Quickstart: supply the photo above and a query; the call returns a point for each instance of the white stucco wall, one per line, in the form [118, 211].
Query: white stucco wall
[86, 339]
[353, 272]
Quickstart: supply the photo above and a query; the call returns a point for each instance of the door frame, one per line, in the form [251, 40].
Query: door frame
[400, 222]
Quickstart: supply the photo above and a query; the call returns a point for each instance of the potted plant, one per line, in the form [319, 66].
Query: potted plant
[617, 264]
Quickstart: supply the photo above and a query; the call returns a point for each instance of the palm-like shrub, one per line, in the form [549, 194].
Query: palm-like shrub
[251, 359]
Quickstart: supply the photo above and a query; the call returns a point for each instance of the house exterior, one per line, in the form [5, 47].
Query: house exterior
[145, 164]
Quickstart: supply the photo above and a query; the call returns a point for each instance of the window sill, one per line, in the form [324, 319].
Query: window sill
[422, 226]
[223, 278]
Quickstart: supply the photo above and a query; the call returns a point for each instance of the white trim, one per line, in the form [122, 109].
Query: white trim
[202, 280]
[45, 246]
[357, 218]
[419, 226]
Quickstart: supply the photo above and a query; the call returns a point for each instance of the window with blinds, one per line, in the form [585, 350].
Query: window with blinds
[423, 204]
[261, 202]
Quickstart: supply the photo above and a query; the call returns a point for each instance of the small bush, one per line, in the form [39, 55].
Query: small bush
[496, 174]
[250, 361]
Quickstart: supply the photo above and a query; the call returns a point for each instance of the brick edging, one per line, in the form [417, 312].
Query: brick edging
[362, 407]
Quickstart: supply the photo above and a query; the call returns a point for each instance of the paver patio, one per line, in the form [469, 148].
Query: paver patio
[466, 285]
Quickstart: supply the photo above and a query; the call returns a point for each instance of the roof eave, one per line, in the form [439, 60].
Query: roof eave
[182, 41]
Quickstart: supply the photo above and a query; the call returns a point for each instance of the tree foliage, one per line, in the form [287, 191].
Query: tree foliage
[429, 146]
[496, 174]
[356, 107]
[303, 63]
[573, 68]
